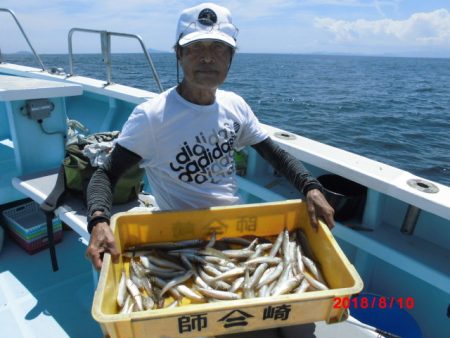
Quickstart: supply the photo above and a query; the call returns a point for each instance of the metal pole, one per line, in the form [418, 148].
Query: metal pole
[410, 220]
[105, 39]
[38, 59]
[150, 62]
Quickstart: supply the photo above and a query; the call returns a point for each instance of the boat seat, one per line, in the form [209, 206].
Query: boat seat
[33, 123]
[72, 211]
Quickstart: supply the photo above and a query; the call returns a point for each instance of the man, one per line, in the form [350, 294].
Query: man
[185, 137]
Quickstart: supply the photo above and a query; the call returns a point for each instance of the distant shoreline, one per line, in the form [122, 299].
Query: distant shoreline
[24, 53]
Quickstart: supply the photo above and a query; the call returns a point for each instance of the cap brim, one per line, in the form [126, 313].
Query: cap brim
[202, 36]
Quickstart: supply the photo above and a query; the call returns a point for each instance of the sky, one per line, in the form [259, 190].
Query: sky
[361, 27]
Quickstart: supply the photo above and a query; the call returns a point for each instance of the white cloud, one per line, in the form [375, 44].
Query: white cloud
[254, 9]
[432, 28]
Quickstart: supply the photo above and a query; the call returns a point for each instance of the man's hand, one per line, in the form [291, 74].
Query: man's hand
[318, 207]
[101, 241]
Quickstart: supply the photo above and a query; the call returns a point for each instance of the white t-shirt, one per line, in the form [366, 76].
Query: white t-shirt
[187, 149]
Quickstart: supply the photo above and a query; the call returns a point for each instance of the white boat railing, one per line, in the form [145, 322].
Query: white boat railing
[36, 56]
[105, 37]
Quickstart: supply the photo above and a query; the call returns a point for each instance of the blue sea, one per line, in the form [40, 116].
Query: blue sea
[393, 110]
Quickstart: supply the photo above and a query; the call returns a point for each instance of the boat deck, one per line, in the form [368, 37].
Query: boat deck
[36, 302]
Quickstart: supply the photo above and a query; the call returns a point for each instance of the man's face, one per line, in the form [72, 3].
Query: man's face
[205, 63]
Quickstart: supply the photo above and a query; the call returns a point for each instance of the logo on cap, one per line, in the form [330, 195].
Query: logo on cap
[207, 17]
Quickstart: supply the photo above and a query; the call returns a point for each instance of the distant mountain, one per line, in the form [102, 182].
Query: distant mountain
[156, 51]
[22, 52]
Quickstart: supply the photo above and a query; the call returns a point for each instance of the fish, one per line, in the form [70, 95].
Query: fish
[218, 294]
[285, 274]
[238, 271]
[136, 269]
[137, 281]
[212, 240]
[304, 285]
[252, 245]
[164, 263]
[200, 272]
[147, 286]
[313, 268]
[213, 252]
[262, 291]
[166, 245]
[315, 283]
[134, 291]
[161, 283]
[260, 248]
[287, 286]
[272, 275]
[192, 256]
[175, 303]
[276, 245]
[242, 253]
[176, 281]
[122, 289]
[247, 287]
[128, 305]
[257, 275]
[285, 246]
[148, 303]
[220, 284]
[237, 284]
[304, 244]
[299, 260]
[263, 259]
[219, 261]
[189, 293]
[236, 240]
[211, 270]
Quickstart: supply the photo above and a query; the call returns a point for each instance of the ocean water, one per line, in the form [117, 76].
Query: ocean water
[393, 110]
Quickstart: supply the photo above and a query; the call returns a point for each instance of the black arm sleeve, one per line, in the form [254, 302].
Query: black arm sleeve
[99, 194]
[287, 165]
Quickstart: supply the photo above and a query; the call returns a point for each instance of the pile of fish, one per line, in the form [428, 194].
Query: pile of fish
[163, 274]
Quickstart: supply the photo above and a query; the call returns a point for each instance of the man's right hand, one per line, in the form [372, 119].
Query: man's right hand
[101, 241]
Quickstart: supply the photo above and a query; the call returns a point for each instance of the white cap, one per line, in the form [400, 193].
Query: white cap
[206, 21]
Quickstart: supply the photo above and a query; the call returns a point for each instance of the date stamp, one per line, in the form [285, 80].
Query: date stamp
[365, 302]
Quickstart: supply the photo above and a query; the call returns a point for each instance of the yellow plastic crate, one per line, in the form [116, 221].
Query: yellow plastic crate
[225, 317]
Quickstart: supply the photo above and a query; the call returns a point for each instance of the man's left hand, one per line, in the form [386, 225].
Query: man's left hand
[318, 207]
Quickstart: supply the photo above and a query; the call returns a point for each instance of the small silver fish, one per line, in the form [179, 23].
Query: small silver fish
[134, 291]
[161, 283]
[287, 286]
[304, 285]
[189, 293]
[217, 294]
[239, 254]
[268, 278]
[126, 305]
[176, 281]
[148, 303]
[122, 289]
[313, 268]
[257, 275]
[260, 249]
[164, 263]
[237, 284]
[315, 283]
[238, 271]
[276, 245]
[262, 259]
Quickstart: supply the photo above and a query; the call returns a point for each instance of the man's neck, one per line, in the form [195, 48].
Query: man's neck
[200, 96]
